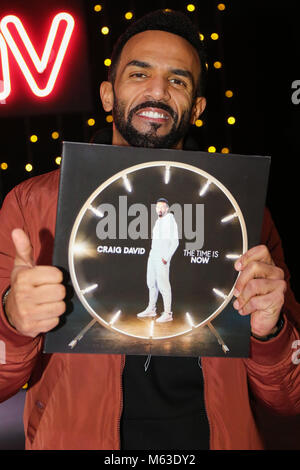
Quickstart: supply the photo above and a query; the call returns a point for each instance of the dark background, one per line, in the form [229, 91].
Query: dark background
[258, 46]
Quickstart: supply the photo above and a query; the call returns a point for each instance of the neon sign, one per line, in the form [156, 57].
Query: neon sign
[8, 38]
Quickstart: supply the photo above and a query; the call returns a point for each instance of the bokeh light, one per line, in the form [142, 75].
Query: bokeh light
[190, 7]
[55, 135]
[217, 64]
[231, 120]
[104, 30]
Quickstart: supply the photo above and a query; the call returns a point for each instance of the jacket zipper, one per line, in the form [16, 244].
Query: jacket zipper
[121, 401]
[205, 403]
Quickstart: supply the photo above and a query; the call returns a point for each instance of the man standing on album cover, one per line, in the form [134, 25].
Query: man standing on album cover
[164, 244]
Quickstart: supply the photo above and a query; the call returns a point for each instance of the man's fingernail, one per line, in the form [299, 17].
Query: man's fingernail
[238, 265]
[236, 304]
[236, 293]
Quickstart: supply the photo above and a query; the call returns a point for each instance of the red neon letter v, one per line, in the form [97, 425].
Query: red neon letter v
[5, 85]
[40, 64]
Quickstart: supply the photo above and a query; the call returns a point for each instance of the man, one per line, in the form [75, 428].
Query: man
[79, 401]
[164, 244]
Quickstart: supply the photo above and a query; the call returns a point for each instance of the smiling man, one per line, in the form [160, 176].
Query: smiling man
[154, 94]
[75, 401]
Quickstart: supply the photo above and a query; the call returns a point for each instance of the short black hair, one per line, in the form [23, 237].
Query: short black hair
[163, 20]
[162, 199]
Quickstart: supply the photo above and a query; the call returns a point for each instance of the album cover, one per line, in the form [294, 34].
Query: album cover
[147, 240]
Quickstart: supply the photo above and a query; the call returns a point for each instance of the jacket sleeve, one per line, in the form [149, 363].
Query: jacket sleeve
[18, 352]
[274, 366]
[174, 240]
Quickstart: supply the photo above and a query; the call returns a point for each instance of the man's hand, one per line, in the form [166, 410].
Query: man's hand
[35, 301]
[259, 290]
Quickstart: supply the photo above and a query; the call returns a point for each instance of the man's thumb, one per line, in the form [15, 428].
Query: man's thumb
[24, 252]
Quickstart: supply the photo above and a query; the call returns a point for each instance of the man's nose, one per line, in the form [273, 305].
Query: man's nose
[157, 89]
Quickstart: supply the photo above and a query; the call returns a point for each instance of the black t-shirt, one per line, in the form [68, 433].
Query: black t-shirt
[163, 407]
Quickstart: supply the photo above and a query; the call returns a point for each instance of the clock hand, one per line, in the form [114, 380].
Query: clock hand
[80, 335]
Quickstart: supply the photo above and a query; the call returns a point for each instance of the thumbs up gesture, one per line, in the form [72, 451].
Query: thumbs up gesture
[35, 300]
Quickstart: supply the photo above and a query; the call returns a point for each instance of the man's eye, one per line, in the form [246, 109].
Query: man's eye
[137, 75]
[177, 81]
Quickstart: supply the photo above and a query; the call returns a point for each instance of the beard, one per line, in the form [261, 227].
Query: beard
[150, 139]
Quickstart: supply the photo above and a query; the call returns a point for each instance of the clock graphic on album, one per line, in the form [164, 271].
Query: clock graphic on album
[113, 234]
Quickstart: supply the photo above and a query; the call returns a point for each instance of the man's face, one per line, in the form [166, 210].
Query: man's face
[153, 95]
[161, 208]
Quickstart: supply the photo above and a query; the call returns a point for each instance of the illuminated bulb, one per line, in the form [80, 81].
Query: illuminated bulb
[91, 122]
[127, 184]
[96, 211]
[205, 188]
[225, 150]
[167, 175]
[28, 167]
[109, 118]
[189, 319]
[4, 166]
[217, 64]
[233, 256]
[228, 93]
[198, 123]
[105, 30]
[115, 317]
[33, 138]
[214, 36]
[221, 7]
[190, 7]
[80, 248]
[212, 149]
[219, 293]
[97, 8]
[228, 218]
[151, 329]
[107, 62]
[231, 120]
[58, 160]
[89, 289]
[55, 135]
[201, 36]
[128, 15]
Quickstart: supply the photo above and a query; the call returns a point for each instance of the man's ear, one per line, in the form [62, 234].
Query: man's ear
[198, 108]
[107, 96]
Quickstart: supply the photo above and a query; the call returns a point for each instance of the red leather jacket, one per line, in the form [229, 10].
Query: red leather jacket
[74, 401]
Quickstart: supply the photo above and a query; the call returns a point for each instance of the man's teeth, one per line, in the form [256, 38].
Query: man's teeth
[153, 114]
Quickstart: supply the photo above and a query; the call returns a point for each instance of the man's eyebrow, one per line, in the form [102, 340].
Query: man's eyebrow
[138, 63]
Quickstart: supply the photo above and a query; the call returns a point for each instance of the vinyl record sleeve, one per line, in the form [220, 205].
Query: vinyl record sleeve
[125, 263]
